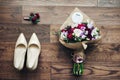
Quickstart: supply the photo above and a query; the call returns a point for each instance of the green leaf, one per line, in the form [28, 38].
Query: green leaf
[74, 69]
[81, 68]
[37, 20]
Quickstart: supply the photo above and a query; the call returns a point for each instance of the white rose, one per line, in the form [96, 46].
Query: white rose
[83, 36]
[86, 32]
[94, 32]
[77, 32]
[90, 24]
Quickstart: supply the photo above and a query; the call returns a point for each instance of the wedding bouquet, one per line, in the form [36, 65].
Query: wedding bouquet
[76, 32]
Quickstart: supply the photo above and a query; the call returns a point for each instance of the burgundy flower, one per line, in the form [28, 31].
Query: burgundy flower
[63, 30]
[38, 16]
[70, 36]
[80, 25]
[89, 34]
[34, 18]
[70, 30]
[31, 14]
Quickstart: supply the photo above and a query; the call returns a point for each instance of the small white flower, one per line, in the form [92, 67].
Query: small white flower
[78, 32]
[90, 24]
[95, 33]
[87, 38]
[63, 35]
[86, 32]
[83, 36]
[79, 60]
[93, 38]
[97, 36]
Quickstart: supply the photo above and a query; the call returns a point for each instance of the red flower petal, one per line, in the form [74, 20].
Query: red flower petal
[70, 30]
[80, 25]
[34, 18]
[70, 36]
[38, 16]
[89, 34]
[63, 30]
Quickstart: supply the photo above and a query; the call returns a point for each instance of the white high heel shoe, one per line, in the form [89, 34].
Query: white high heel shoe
[33, 52]
[20, 51]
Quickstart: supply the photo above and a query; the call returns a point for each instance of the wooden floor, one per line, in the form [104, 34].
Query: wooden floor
[103, 59]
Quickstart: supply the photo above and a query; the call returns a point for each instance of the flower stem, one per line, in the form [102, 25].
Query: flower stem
[78, 69]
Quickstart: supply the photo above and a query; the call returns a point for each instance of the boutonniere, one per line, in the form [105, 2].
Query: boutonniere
[33, 17]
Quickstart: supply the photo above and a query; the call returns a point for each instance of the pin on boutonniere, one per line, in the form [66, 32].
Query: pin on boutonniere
[33, 17]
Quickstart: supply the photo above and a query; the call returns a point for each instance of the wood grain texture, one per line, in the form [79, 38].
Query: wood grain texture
[10, 32]
[96, 70]
[51, 2]
[10, 14]
[58, 14]
[109, 3]
[55, 62]
[91, 3]
[9, 72]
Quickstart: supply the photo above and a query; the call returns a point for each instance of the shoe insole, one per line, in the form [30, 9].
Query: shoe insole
[32, 56]
[19, 56]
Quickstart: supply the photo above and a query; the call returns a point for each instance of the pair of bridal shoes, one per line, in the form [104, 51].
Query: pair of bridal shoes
[32, 50]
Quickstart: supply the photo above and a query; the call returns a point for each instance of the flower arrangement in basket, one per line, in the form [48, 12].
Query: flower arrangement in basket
[76, 32]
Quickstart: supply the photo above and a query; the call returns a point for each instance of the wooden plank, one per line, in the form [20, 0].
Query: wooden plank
[8, 72]
[10, 18]
[50, 2]
[58, 14]
[10, 9]
[110, 34]
[49, 53]
[10, 32]
[102, 62]
[109, 3]
[92, 70]
[103, 52]
[55, 52]
[100, 56]
[55, 62]
[54, 36]
[10, 14]
[6, 51]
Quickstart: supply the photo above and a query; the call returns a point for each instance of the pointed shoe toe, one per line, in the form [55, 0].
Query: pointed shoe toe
[33, 52]
[20, 51]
